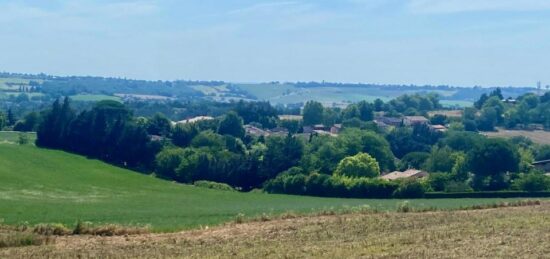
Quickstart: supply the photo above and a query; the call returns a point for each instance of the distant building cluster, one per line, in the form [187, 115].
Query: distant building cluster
[407, 121]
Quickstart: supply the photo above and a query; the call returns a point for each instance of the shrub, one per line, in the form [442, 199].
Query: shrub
[86, 228]
[438, 181]
[213, 185]
[404, 207]
[455, 186]
[331, 186]
[533, 182]
[410, 189]
[17, 239]
[51, 229]
[295, 184]
[371, 188]
[316, 184]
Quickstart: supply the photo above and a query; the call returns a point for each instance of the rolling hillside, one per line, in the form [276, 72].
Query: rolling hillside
[48, 186]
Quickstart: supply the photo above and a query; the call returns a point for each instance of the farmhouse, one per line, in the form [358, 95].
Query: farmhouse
[510, 100]
[254, 131]
[438, 128]
[543, 165]
[388, 121]
[414, 120]
[279, 131]
[336, 128]
[411, 174]
[291, 117]
[319, 127]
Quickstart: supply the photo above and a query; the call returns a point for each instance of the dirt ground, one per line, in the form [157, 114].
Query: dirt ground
[514, 232]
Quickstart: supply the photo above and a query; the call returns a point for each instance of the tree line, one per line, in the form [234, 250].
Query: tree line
[346, 165]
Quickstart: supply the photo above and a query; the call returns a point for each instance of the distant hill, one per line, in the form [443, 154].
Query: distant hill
[331, 94]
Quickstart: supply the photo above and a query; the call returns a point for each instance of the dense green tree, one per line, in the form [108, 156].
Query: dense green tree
[459, 172]
[231, 124]
[167, 161]
[182, 134]
[488, 119]
[3, 120]
[378, 105]
[542, 153]
[355, 141]
[293, 126]
[414, 160]
[313, 113]
[51, 131]
[482, 161]
[462, 141]
[440, 160]
[11, 120]
[29, 123]
[159, 125]
[481, 101]
[259, 112]
[282, 153]
[533, 182]
[360, 165]
[402, 141]
[208, 139]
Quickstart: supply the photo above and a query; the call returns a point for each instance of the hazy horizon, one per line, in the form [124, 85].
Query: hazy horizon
[422, 42]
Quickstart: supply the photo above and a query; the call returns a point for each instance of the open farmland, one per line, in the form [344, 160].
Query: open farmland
[289, 93]
[514, 232]
[48, 186]
[537, 136]
[94, 97]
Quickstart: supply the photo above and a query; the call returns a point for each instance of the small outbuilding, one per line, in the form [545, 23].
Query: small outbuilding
[543, 165]
[415, 120]
[410, 174]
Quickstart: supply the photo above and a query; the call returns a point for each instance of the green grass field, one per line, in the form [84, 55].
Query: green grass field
[48, 186]
[94, 98]
[286, 93]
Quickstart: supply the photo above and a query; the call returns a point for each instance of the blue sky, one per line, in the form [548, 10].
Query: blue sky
[455, 42]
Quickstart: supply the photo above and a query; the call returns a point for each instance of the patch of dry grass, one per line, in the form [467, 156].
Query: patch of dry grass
[537, 136]
[502, 232]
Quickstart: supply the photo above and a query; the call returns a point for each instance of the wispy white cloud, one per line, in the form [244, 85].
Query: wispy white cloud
[462, 6]
[287, 15]
[14, 11]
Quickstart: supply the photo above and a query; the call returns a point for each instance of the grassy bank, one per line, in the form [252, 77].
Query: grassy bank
[48, 186]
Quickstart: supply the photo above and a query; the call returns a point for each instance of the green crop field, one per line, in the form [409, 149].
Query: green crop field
[93, 97]
[49, 186]
[288, 93]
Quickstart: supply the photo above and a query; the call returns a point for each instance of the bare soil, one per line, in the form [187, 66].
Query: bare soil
[513, 232]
